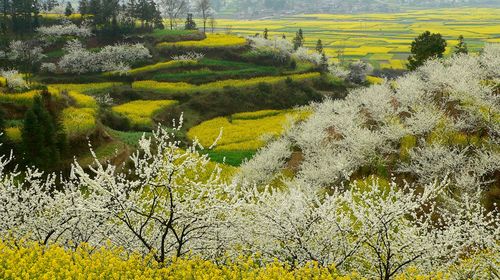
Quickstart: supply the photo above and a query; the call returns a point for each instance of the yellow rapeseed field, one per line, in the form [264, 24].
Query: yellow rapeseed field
[87, 88]
[384, 39]
[25, 260]
[141, 112]
[78, 122]
[25, 98]
[212, 41]
[3, 82]
[247, 131]
[165, 87]
[13, 134]
[158, 66]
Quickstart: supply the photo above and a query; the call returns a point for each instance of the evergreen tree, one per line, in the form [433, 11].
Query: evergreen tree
[5, 8]
[266, 34]
[424, 47]
[319, 46]
[69, 9]
[461, 47]
[190, 24]
[324, 62]
[95, 10]
[298, 41]
[83, 7]
[2, 125]
[40, 137]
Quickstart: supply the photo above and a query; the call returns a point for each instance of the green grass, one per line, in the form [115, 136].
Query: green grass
[158, 33]
[233, 158]
[130, 138]
[208, 75]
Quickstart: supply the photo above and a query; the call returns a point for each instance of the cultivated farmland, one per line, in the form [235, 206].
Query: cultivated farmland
[382, 39]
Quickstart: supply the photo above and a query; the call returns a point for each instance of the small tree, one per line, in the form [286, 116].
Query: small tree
[426, 46]
[190, 24]
[205, 10]
[266, 34]
[319, 46]
[358, 72]
[298, 41]
[173, 9]
[213, 23]
[461, 47]
[324, 62]
[69, 9]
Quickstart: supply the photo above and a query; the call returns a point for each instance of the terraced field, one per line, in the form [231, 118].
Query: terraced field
[383, 39]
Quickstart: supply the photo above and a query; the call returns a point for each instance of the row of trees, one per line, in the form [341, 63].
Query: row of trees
[22, 16]
[173, 203]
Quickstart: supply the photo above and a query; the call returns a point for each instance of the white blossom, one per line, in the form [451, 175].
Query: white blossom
[14, 79]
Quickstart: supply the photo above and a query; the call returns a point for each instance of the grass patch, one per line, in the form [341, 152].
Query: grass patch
[233, 158]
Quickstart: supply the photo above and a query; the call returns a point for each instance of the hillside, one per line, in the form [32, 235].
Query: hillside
[439, 122]
[141, 144]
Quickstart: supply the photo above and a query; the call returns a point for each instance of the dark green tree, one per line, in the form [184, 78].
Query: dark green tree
[83, 7]
[69, 9]
[298, 41]
[190, 24]
[5, 8]
[324, 62]
[40, 137]
[424, 47]
[266, 34]
[319, 46]
[461, 47]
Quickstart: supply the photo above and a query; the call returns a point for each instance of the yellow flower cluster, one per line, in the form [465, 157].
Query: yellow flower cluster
[158, 66]
[3, 82]
[29, 260]
[374, 80]
[78, 121]
[34, 261]
[75, 16]
[164, 87]
[243, 133]
[212, 41]
[255, 115]
[87, 88]
[80, 99]
[13, 134]
[140, 112]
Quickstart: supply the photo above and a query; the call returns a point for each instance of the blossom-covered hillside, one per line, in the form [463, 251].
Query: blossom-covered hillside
[441, 121]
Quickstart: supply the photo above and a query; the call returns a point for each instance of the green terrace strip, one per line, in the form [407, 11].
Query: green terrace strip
[216, 86]
[156, 67]
[87, 88]
[212, 41]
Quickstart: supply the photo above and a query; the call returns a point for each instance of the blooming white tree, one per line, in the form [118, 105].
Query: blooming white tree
[14, 79]
[174, 202]
[66, 28]
[118, 58]
[196, 56]
[305, 54]
[281, 49]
